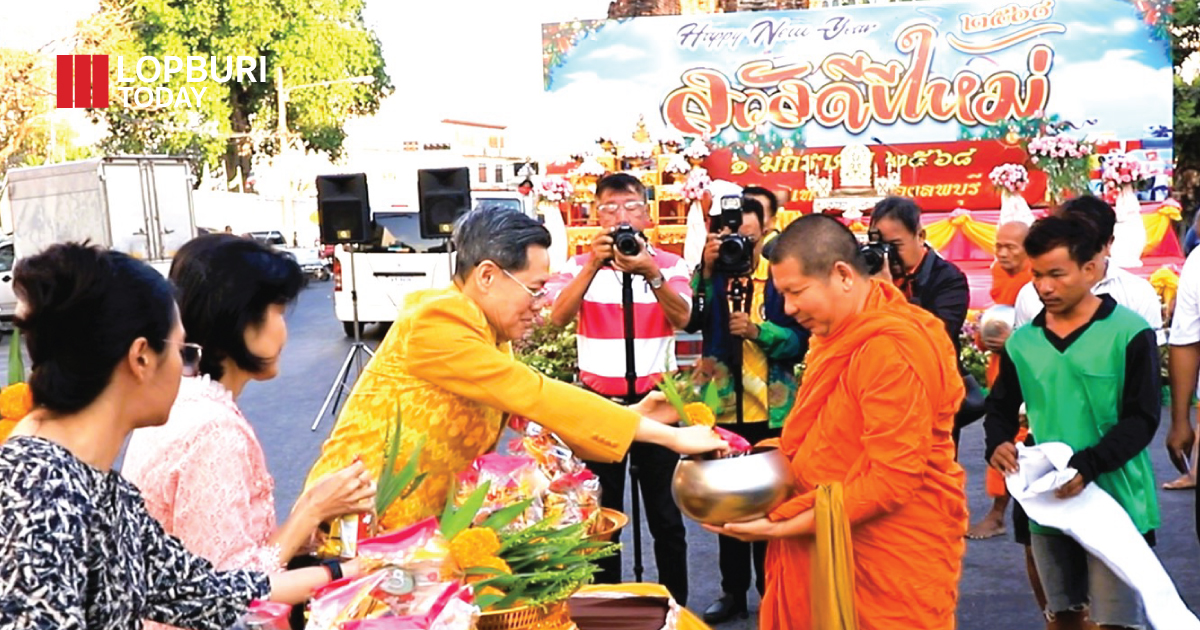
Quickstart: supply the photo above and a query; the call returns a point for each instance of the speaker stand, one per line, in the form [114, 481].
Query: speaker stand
[353, 357]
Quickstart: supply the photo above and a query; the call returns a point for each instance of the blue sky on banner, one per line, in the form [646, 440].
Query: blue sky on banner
[1106, 65]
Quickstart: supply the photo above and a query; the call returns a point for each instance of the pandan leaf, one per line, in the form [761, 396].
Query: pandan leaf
[455, 520]
[16, 365]
[488, 601]
[669, 386]
[492, 571]
[712, 398]
[510, 600]
[395, 485]
[505, 516]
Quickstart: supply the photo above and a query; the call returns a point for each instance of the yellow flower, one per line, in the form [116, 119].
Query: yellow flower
[699, 414]
[474, 545]
[491, 562]
[16, 401]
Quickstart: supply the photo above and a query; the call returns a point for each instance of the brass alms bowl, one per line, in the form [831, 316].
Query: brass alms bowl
[733, 489]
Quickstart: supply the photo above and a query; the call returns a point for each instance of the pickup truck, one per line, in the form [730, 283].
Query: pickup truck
[395, 263]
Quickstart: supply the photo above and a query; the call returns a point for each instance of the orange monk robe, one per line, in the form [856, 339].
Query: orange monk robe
[1005, 288]
[875, 413]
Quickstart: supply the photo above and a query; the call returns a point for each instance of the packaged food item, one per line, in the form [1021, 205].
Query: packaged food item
[391, 593]
[735, 441]
[452, 610]
[419, 542]
[511, 479]
[265, 616]
[573, 498]
[344, 535]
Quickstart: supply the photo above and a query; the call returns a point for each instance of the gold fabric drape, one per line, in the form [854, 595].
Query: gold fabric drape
[832, 587]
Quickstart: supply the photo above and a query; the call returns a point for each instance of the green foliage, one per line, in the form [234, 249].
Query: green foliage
[456, 519]
[1184, 41]
[16, 365]
[401, 485]
[974, 360]
[310, 40]
[548, 565]
[550, 350]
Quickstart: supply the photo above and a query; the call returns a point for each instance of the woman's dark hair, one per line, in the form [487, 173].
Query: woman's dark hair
[82, 308]
[226, 284]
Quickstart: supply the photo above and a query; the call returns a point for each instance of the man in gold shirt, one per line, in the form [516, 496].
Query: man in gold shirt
[448, 364]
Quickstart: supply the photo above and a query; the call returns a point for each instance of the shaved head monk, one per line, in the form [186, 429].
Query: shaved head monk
[869, 444]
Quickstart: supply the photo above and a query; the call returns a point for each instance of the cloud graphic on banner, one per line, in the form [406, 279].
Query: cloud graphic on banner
[1117, 27]
[610, 106]
[619, 52]
[1132, 86]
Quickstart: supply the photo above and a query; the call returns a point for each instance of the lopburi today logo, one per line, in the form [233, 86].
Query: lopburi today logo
[84, 80]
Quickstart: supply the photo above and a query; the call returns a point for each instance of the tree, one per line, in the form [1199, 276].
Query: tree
[310, 40]
[27, 92]
[23, 77]
[1185, 41]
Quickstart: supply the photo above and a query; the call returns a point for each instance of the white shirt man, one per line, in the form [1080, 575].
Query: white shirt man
[1127, 289]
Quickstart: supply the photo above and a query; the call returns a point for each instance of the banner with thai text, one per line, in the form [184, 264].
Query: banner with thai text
[761, 87]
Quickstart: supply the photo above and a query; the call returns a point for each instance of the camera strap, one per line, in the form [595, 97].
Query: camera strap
[627, 313]
[739, 302]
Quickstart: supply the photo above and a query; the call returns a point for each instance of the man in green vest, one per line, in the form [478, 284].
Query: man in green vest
[1087, 370]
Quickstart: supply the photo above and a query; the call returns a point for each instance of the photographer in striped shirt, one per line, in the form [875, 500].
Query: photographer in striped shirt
[630, 299]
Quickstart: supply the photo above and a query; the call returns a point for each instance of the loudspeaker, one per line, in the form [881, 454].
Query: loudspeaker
[343, 209]
[445, 195]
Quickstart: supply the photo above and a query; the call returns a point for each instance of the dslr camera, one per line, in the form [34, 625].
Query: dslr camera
[626, 240]
[876, 250]
[735, 255]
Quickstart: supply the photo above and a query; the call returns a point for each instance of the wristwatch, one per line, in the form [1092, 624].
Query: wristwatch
[657, 283]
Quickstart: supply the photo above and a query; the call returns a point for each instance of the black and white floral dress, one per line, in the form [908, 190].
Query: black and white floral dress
[78, 550]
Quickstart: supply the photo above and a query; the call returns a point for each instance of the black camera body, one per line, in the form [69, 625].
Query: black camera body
[876, 251]
[735, 255]
[626, 240]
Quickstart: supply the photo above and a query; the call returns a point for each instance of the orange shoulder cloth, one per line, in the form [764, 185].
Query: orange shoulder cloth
[886, 313]
[1005, 287]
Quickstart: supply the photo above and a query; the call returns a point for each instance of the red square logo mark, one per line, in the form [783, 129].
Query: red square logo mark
[83, 81]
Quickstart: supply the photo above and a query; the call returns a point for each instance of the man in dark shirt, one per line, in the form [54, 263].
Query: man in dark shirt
[1087, 370]
[931, 282]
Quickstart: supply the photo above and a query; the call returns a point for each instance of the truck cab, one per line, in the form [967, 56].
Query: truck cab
[396, 262]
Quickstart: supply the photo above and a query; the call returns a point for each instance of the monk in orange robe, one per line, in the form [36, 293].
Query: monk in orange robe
[1011, 271]
[872, 421]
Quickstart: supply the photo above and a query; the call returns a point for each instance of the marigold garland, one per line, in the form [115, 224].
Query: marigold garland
[698, 413]
[474, 546]
[16, 401]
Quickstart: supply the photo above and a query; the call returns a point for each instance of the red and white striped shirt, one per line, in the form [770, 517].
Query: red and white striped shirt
[601, 335]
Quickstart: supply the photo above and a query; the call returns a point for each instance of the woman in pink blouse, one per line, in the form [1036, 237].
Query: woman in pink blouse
[203, 474]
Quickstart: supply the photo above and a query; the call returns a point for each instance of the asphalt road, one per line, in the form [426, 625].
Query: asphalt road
[994, 590]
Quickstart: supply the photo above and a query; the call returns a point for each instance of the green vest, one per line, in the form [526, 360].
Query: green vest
[1074, 397]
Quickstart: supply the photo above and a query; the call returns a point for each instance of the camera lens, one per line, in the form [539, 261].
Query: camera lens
[731, 249]
[627, 243]
[872, 255]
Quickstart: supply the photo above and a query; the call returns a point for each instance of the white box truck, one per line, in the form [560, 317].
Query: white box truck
[139, 205]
